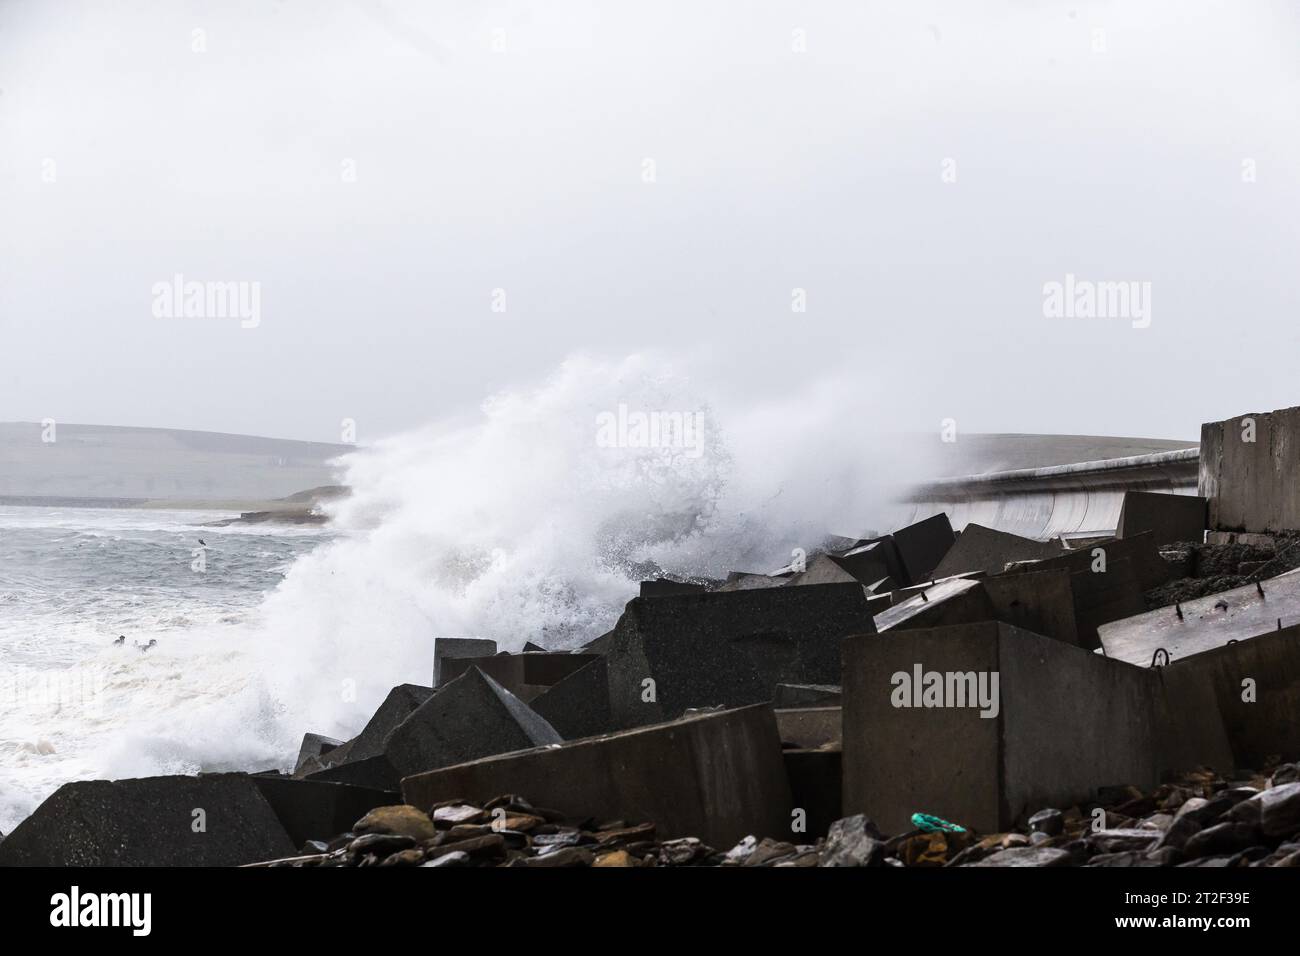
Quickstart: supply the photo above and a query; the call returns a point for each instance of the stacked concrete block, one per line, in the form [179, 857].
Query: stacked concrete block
[1016, 722]
[719, 776]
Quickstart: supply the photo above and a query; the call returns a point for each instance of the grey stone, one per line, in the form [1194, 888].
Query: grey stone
[1028, 856]
[1222, 838]
[1276, 811]
[854, 841]
[1049, 821]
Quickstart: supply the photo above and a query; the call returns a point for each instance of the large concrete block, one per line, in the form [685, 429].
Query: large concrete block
[662, 586]
[524, 675]
[727, 648]
[450, 648]
[467, 718]
[922, 545]
[1251, 688]
[1205, 623]
[984, 549]
[1169, 518]
[1248, 466]
[1038, 601]
[1065, 720]
[317, 810]
[823, 569]
[578, 706]
[149, 821]
[718, 776]
[400, 703]
[313, 747]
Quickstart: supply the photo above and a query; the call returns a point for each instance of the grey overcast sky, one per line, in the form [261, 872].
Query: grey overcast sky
[920, 169]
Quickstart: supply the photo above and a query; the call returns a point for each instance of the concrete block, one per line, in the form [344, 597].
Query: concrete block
[313, 747]
[951, 601]
[809, 728]
[662, 586]
[806, 695]
[1168, 517]
[1065, 719]
[1251, 688]
[984, 549]
[718, 776]
[1251, 484]
[816, 778]
[823, 569]
[400, 703]
[1038, 601]
[578, 705]
[318, 810]
[371, 773]
[922, 545]
[524, 675]
[449, 648]
[875, 559]
[1205, 623]
[747, 581]
[469, 717]
[149, 821]
[727, 648]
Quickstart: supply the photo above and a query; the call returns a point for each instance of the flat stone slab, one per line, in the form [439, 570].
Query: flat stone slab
[151, 821]
[1206, 623]
[719, 776]
[950, 601]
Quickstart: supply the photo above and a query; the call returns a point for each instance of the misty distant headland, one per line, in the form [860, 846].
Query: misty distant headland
[74, 465]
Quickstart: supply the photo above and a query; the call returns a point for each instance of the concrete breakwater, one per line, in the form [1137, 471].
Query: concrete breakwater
[1146, 683]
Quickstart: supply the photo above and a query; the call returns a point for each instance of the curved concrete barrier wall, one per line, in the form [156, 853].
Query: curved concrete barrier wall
[1076, 500]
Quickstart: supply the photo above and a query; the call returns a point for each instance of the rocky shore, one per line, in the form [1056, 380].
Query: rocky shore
[1200, 821]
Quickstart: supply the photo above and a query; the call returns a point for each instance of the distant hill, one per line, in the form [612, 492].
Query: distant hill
[159, 466]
